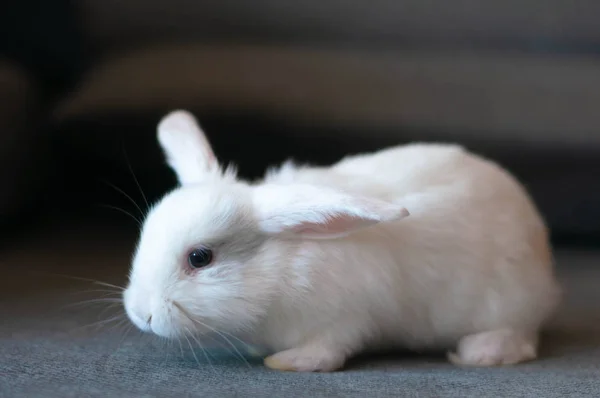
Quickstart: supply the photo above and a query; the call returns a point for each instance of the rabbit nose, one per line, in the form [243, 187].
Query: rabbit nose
[142, 321]
[138, 314]
[149, 322]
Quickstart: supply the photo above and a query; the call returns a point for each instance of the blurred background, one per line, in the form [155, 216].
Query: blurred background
[83, 85]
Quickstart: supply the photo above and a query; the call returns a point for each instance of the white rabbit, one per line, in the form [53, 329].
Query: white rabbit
[422, 247]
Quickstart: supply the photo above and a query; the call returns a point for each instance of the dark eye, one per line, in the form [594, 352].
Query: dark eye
[200, 258]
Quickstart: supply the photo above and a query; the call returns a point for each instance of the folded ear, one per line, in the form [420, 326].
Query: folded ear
[318, 212]
[187, 150]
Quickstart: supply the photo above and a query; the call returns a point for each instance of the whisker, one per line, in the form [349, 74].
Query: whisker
[137, 221]
[119, 288]
[127, 331]
[122, 323]
[240, 355]
[95, 301]
[99, 323]
[105, 291]
[105, 297]
[116, 188]
[169, 344]
[213, 339]
[180, 347]
[166, 347]
[184, 312]
[135, 178]
[193, 352]
[108, 308]
[220, 332]
[202, 348]
[97, 282]
[220, 344]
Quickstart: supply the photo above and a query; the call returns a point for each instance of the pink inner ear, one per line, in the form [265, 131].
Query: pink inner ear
[335, 225]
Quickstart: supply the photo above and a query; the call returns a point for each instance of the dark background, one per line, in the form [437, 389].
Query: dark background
[55, 164]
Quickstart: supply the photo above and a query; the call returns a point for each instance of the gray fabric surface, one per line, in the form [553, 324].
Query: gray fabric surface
[46, 350]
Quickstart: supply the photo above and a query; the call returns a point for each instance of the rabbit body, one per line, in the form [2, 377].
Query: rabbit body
[420, 246]
[473, 256]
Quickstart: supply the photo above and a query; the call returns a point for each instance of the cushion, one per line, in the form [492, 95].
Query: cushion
[533, 99]
[519, 23]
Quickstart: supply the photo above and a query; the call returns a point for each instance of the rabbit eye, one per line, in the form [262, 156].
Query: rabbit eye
[200, 258]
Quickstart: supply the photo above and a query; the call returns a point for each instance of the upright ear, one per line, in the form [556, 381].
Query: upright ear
[187, 150]
[318, 212]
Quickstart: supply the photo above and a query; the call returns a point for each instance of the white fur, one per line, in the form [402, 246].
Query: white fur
[423, 246]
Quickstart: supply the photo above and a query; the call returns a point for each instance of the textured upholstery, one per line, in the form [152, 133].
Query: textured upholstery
[521, 98]
[529, 23]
